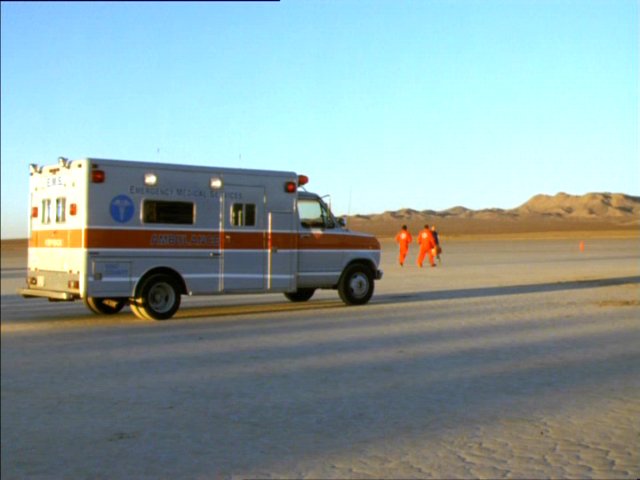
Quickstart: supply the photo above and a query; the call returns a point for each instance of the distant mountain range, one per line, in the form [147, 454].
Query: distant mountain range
[542, 213]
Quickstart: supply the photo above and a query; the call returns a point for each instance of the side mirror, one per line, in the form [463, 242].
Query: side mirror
[342, 221]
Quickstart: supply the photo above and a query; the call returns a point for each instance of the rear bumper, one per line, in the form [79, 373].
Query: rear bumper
[50, 294]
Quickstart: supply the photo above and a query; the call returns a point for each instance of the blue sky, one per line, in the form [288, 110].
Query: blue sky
[383, 104]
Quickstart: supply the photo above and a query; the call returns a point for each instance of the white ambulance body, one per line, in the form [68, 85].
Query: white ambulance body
[114, 232]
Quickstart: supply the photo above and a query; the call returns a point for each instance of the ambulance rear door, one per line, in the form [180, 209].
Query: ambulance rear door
[58, 196]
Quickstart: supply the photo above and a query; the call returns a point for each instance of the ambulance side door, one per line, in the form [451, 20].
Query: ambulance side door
[244, 257]
[282, 261]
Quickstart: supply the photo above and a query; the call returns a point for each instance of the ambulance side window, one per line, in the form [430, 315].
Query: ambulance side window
[157, 211]
[243, 214]
[314, 214]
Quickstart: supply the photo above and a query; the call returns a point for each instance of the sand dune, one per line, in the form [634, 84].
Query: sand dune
[586, 206]
[542, 213]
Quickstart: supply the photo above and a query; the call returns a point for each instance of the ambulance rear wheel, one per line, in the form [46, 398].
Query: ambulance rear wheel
[159, 297]
[356, 285]
[105, 306]
[300, 295]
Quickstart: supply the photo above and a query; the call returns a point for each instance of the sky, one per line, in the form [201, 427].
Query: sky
[384, 104]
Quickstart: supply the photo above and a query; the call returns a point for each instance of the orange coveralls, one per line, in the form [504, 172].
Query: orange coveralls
[404, 239]
[427, 243]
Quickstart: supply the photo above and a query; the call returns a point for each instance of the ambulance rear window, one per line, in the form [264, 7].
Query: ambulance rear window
[46, 211]
[157, 211]
[61, 210]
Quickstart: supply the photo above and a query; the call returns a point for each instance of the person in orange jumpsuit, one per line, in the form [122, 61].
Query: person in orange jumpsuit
[427, 244]
[404, 239]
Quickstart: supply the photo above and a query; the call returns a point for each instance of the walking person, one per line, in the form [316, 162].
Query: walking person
[404, 239]
[427, 244]
[436, 239]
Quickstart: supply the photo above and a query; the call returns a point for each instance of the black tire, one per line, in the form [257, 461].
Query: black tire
[105, 306]
[300, 295]
[158, 297]
[356, 285]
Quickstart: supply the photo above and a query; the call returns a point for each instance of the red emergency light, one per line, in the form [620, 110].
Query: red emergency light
[34, 212]
[97, 176]
[291, 187]
[73, 208]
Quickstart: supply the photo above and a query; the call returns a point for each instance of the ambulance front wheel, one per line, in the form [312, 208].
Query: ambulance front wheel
[300, 295]
[105, 306]
[158, 298]
[356, 285]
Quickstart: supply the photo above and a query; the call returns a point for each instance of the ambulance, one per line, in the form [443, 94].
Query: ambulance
[116, 232]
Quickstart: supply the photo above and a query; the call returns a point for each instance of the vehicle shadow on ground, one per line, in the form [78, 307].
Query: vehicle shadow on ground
[395, 298]
[481, 292]
[188, 312]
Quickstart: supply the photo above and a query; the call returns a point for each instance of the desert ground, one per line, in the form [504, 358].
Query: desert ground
[516, 357]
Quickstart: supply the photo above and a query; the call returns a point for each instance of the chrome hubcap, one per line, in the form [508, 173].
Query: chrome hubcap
[359, 285]
[161, 297]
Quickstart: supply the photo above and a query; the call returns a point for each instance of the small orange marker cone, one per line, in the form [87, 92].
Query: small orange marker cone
[582, 246]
